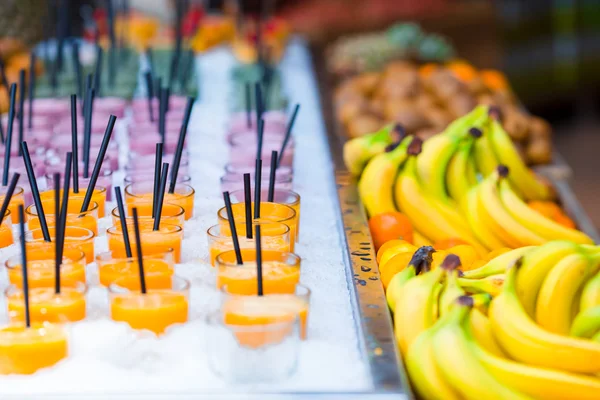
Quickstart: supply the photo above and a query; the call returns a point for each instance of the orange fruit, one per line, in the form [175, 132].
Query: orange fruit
[466, 253]
[448, 243]
[565, 221]
[389, 226]
[427, 69]
[462, 70]
[493, 79]
[548, 209]
[392, 247]
[393, 266]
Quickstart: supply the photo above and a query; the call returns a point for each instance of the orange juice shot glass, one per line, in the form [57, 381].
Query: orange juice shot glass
[45, 305]
[158, 270]
[171, 213]
[169, 236]
[6, 233]
[139, 194]
[26, 350]
[275, 236]
[98, 197]
[17, 199]
[240, 310]
[155, 310]
[87, 219]
[268, 211]
[75, 238]
[41, 271]
[280, 196]
[280, 270]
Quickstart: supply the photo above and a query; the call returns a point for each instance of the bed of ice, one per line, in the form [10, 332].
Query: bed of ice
[108, 358]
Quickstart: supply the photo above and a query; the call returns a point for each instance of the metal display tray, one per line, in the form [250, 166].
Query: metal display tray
[372, 314]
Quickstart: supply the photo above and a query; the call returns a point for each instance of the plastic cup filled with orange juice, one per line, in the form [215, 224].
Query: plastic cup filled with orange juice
[155, 310]
[41, 271]
[158, 270]
[6, 233]
[139, 194]
[45, 305]
[75, 238]
[275, 236]
[169, 236]
[268, 211]
[280, 196]
[281, 272]
[266, 309]
[87, 219]
[17, 199]
[170, 213]
[98, 197]
[25, 350]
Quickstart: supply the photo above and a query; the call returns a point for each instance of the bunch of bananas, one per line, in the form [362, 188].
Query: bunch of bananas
[468, 182]
[537, 337]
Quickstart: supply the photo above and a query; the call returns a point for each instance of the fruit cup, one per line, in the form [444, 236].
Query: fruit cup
[102, 190]
[138, 194]
[25, 350]
[275, 236]
[98, 196]
[75, 238]
[145, 176]
[75, 218]
[268, 211]
[45, 305]
[243, 149]
[6, 233]
[41, 268]
[171, 213]
[17, 199]
[144, 164]
[158, 269]
[169, 236]
[155, 310]
[281, 272]
[275, 123]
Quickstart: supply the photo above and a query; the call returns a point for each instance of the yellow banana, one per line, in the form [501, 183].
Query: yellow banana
[523, 340]
[523, 178]
[484, 156]
[555, 300]
[476, 218]
[498, 265]
[416, 306]
[451, 292]
[358, 151]
[420, 240]
[482, 332]
[535, 267]
[586, 323]
[458, 362]
[540, 383]
[535, 221]
[490, 284]
[590, 297]
[420, 261]
[481, 302]
[596, 338]
[376, 183]
[461, 175]
[497, 217]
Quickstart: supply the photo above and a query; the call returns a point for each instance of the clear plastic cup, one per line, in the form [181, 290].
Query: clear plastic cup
[17, 199]
[98, 196]
[102, 190]
[50, 107]
[275, 121]
[142, 193]
[6, 232]
[243, 149]
[41, 270]
[145, 176]
[158, 270]
[169, 236]
[170, 213]
[75, 238]
[144, 164]
[62, 144]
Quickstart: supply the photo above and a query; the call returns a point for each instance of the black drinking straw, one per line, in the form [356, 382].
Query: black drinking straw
[157, 87]
[248, 97]
[149, 89]
[21, 104]
[157, 176]
[35, 191]
[77, 69]
[111, 35]
[162, 113]
[271, 193]
[123, 221]
[24, 264]
[288, 133]
[62, 224]
[8, 196]
[187, 71]
[150, 59]
[98, 164]
[3, 74]
[258, 100]
[234, 236]
[138, 245]
[259, 139]
[248, 205]
[161, 196]
[259, 272]
[87, 132]
[180, 143]
[31, 89]
[98, 70]
[84, 98]
[257, 184]
[9, 129]
[74, 143]
[57, 233]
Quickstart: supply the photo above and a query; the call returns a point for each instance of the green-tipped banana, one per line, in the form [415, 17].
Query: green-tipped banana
[377, 180]
[358, 151]
[420, 261]
[484, 156]
[523, 178]
[461, 174]
[499, 264]
[491, 285]
[586, 323]
[590, 297]
[452, 291]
